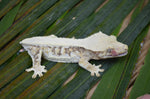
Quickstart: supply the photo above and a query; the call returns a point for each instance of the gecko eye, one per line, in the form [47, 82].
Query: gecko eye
[109, 50]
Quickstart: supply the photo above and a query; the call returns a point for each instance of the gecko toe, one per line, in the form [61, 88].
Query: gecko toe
[40, 74]
[44, 71]
[97, 74]
[30, 69]
[99, 65]
[101, 70]
[92, 73]
[34, 75]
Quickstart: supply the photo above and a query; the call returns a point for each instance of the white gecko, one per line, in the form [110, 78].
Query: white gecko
[71, 50]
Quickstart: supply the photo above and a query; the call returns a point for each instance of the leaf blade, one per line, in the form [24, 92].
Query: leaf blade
[8, 19]
[141, 85]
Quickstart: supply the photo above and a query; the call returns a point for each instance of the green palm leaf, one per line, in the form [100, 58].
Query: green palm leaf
[142, 87]
[7, 21]
[68, 18]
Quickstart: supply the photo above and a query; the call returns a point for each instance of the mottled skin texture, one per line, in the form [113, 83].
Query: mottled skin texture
[70, 54]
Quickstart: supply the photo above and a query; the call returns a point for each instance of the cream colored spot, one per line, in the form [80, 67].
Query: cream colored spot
[62, 51]
[73, 18]
[47, 50]
[70, 49]
[34, 50]
[57, 50]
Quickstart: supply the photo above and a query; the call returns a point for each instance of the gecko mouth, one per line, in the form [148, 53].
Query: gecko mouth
[117, 55]
[113, 53]
[123, 54]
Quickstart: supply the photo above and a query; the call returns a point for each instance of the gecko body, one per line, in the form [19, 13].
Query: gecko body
[71, 50]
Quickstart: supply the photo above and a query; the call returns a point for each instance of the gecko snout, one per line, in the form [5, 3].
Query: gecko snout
[122, 51]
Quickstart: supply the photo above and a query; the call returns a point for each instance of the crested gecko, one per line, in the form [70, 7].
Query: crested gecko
[71, 50]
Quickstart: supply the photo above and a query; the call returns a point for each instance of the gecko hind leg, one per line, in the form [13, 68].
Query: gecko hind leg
[91, 68]
[36, 53]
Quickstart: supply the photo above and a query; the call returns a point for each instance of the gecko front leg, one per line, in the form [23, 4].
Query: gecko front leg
[83, 62]
[36, 53]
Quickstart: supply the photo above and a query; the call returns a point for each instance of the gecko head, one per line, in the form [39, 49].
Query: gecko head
[114, 49]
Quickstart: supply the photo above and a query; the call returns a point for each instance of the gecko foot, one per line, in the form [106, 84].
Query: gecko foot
[96, 70]
[37, 70]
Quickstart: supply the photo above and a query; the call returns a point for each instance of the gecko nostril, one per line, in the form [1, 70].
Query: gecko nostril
[125, 47]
